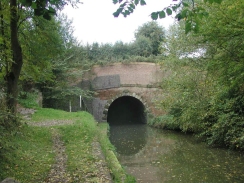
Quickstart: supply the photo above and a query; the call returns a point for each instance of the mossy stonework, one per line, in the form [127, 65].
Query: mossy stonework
[134, 81]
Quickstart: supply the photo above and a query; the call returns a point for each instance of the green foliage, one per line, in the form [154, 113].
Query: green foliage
[226, 65]
[224, 121]
[186, 47]
[8, 121]
[54, 40]
[20, 21]
[149, 40]
[130, 179]
[138, 51]
[204, 91]
[154, 33]
[46, 8]
[28, 99]
[164, 122]
[5, 148]
[142, 46]
[126, 8]
[63, 63]
[191, 11]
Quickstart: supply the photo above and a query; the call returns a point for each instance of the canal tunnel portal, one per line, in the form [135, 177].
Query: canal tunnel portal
[125, 91]
[126, 110]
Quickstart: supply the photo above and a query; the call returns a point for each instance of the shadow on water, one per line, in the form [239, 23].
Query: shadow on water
[158, 156]
[128, 139]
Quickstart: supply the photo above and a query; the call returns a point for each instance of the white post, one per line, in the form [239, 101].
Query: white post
[70, 106]
[80, 101]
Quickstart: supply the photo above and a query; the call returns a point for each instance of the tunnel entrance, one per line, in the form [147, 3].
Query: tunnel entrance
[126, 110]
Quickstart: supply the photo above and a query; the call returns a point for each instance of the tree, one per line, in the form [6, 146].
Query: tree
[13, 72]
[190, 11]
[37, 54]
[186, 87]
[18, 11]
[223, 33]
[181, 45]
[154, 33]
[142, 46]
[121, 50]
[204, 94]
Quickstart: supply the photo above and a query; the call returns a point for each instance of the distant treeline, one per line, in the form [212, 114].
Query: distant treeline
[149, 39]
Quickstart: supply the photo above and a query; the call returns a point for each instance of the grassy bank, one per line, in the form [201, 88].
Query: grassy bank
[30, 154]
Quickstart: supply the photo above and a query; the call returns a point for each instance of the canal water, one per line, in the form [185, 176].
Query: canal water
[158, 156]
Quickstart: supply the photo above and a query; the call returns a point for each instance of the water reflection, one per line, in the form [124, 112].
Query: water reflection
[163, 156]
[128, 139]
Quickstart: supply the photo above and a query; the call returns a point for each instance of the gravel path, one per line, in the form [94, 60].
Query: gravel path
[104, 173]
[58, 173]
[50, 123]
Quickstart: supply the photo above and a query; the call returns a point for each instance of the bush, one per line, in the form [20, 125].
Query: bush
[227, 126]
[8, 124]
[164, 122]
[28, 99]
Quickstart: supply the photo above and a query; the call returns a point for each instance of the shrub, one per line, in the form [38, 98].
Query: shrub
[164, 122]
[28, 99]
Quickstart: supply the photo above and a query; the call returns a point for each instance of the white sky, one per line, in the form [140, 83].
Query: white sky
[93, 20]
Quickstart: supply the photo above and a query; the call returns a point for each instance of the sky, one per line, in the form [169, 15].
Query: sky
[93, 21]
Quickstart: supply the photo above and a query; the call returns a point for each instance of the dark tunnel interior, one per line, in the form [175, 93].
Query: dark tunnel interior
[126, 110]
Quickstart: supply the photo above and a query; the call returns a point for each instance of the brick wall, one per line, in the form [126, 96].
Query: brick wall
[139, 73]
[112, 80]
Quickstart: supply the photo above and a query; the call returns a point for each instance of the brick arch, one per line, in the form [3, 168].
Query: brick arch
[124, 94]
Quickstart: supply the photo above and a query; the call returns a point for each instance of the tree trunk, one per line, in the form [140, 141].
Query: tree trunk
[3, 46]
[13, 73]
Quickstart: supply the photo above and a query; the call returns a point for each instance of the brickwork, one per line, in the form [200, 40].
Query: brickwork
[131, 73]
[139, 80]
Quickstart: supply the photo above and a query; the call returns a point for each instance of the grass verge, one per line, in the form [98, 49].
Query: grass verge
[29, 155]
[78, 139]
[44, 114]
